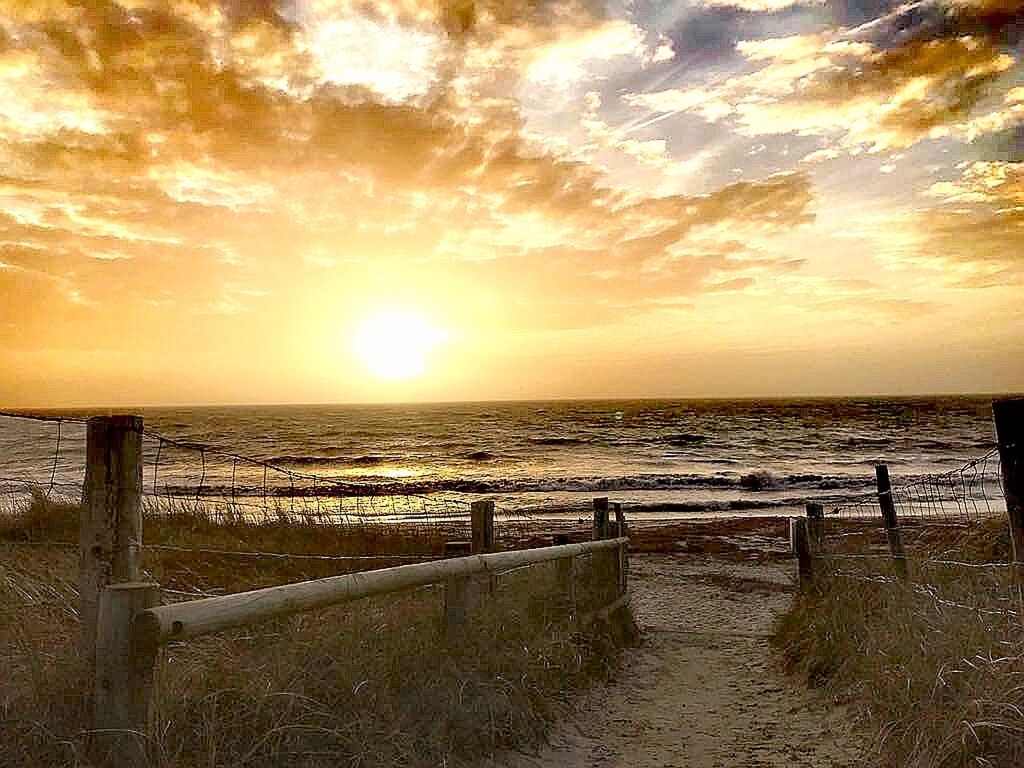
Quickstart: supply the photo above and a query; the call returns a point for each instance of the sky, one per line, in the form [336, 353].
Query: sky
[250, 201]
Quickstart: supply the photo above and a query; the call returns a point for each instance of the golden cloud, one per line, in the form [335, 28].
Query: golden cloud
[859, 95]
[202, 156]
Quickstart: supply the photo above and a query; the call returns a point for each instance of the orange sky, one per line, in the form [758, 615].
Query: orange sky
[212, 202]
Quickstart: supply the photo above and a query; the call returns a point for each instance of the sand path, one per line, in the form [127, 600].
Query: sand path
[704, 688]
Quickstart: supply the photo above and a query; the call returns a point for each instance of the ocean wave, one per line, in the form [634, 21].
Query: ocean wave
[350, 461]
[684, 439]
[558, 440]
[376, 486]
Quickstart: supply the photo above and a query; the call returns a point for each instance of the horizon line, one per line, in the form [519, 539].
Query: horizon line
[503, 401]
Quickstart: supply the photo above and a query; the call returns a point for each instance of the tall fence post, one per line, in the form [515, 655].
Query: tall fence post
[892, 529]
[1009, 418]
[124, 674]
[798, 542]
[110, 532]
[600, 519]
[601, 561]
[482, 519]
[620, 522]
[816, 522]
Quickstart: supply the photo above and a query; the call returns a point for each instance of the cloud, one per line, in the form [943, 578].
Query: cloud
[978, 248]
[998, 183]
[760, 6]
[975, 239]
[863, 95]
[564, 63]
[222, 159]
[983, 236]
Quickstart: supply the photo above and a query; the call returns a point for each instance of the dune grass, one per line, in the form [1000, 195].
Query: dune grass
[934, 666]
[373, 683]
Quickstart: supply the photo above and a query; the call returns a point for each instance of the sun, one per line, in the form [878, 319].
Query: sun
[395, 344]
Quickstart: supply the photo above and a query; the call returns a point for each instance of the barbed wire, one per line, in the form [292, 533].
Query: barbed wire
[295, 556]
[972, 491]
[929, 591]
[43, 417]
[918, 560]
[203, 483]
[197, 478]
[53, 481]
[941, 522]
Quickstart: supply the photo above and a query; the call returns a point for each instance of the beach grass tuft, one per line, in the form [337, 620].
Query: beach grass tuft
[933, 667]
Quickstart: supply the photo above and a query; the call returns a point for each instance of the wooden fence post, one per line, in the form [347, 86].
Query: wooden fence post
[124, 674]
[1009, 418]
[601, 562]
[892, 529]
[110, 532]
[620, 521]
[482, 517]
[816, 521]
[798, 542]
[600, 519]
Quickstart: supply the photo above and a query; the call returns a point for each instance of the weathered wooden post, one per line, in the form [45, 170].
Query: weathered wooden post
[124, 674]
[620, 521]
[601, 560]
[892, 529]
[110, 532]
[600, 519]
[1009, 418]
[816, 522]
[801, 548]
[482, 518]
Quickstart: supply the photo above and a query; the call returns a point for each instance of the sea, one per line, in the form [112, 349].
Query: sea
[660, 458]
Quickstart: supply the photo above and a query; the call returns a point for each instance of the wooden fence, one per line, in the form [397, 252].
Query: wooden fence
[124, 625]
[806, 533]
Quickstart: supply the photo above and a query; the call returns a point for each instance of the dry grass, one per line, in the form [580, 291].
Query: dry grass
[935, 665]
[373, 683]
[189, 525]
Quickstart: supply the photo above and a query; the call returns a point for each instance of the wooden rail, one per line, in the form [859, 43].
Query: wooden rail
[124, 625]
[180, 621]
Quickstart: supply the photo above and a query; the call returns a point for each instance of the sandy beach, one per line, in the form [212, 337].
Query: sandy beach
[704, 688]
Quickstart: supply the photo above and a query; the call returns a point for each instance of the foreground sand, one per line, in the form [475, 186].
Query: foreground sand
[704, 688]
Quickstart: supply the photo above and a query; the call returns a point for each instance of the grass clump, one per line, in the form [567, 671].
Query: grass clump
[934, 666]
